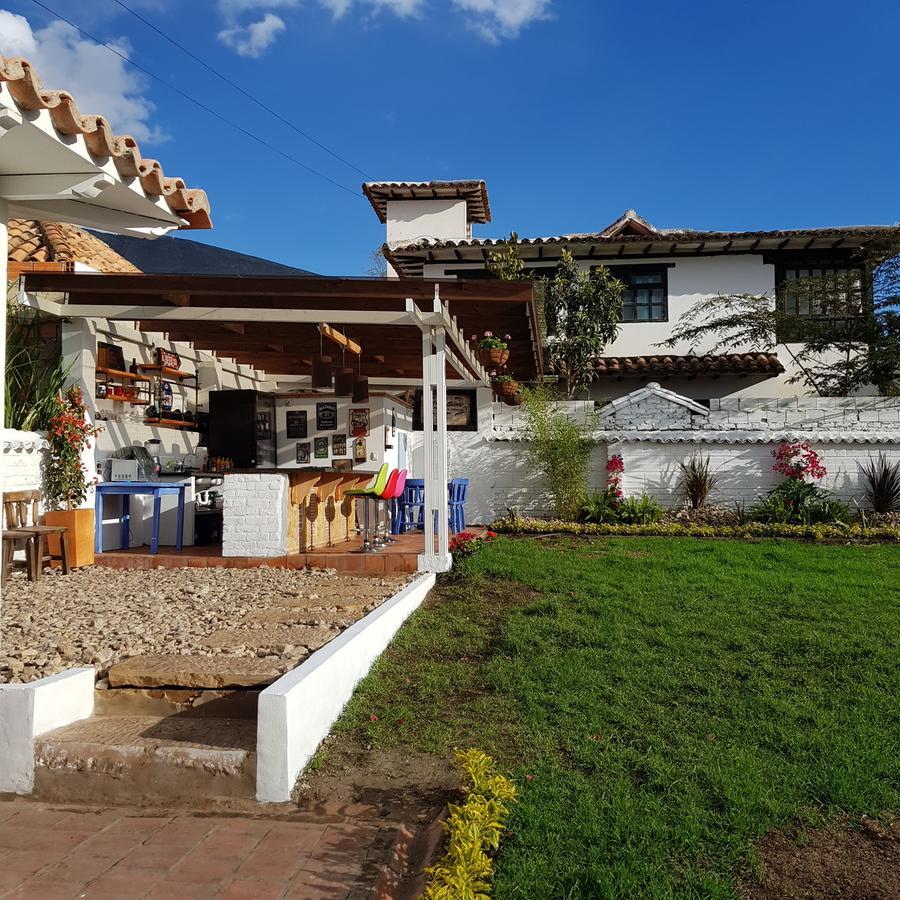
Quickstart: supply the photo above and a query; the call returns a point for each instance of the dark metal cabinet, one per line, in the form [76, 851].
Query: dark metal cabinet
[242, 428]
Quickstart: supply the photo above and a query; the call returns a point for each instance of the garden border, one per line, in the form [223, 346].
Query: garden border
[296, 712]
[889, 534]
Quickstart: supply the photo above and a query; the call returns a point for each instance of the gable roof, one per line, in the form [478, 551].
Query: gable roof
[473, 192]
[32, 243]
[29, 95]
[181, 256]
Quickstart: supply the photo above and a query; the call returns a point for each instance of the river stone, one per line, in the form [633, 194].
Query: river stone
[193, 672]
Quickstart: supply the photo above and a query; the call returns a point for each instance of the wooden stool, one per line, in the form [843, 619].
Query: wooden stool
[17, 540]
[16, 505]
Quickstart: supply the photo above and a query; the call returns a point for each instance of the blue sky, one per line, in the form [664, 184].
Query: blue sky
[702, 114]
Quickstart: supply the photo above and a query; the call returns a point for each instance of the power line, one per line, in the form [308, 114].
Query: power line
[241, 90]
[197, 103]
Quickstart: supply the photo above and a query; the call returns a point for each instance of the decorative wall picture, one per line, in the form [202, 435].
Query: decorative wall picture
[296, 424]
[393, 423]
[326, 416]
[339, 445]
[359, 450]
[343, 465]
[461, 411]
[320, 446]
[359, 423]
[303, 453]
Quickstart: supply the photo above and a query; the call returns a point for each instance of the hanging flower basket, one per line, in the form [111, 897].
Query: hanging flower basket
[505, 386]
[513, 400]
[492, 357]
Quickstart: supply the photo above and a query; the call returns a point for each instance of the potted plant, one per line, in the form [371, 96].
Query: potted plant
[66, 481]
[513, 399]
[505, 386]
[492, 352]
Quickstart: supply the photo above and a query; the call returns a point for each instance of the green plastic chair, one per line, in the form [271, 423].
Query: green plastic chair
[375, 488]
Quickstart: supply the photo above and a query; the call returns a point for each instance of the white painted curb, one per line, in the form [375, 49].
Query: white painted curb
[27, 710]
[298, 710]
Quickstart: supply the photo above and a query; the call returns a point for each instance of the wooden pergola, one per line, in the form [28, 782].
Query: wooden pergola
[408, 329]
[271, 323]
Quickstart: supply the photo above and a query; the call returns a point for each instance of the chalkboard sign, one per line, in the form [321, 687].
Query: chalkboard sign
[296, 423]
[326, 416]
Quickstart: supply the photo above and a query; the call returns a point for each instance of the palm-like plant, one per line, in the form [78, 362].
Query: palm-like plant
[881, 484]
[697, 481]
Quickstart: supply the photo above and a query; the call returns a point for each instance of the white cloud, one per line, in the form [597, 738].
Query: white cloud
[253, 39]
[232, 9]
[497, 20]
[100, 81]
[402, 8]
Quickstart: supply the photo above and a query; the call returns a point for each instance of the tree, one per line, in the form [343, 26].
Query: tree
[377, 264]
[581, 309]
[841, 329]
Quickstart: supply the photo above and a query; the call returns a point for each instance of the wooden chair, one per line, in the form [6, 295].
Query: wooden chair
[17, 540]
[22, 514]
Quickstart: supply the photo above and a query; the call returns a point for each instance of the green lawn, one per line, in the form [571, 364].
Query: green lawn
[661, 703]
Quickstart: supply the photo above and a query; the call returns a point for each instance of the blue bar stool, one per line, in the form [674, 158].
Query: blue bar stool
[410, 507]
[459, 490]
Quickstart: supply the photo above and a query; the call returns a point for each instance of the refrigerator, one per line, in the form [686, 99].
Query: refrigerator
[242, 428]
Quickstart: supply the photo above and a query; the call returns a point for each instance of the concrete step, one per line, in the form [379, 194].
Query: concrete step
[132, 758]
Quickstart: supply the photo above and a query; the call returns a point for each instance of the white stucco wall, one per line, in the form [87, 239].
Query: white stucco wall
[412, 220]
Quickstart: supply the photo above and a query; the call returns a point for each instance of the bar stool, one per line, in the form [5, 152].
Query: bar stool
[378, 541]
[459, 490]
[374, 488]
[413, 499]
[391, 496]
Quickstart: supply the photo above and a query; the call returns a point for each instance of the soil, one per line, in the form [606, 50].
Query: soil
[851, 862]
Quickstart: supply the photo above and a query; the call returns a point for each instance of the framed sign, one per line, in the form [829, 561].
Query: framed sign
[326, 416]
[359, 450]
[320, 446]
[339, 445]
[109, 356]
[167, 358]
[296, 424]
[461, 411]
[359, 423]
[343, 465]
[303, 453]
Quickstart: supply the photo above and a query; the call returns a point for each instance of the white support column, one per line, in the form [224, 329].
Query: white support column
[435, 559]
[4, 242]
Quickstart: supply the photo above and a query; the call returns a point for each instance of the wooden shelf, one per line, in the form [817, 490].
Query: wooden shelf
[169, 423]
[166, 372]
[117, 373]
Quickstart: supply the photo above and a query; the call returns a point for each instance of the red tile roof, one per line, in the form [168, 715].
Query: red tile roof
[473, 192]
[61, 242]
[190, 204]
[663, 366]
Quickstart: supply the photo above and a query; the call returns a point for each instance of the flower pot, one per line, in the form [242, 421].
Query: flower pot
[493, 357]
[79, 535]
[513, 400]
[505, 389]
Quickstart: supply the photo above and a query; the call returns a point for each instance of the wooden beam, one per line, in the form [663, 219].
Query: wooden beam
[339, 338]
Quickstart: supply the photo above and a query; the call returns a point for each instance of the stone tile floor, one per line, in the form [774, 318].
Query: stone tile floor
[52, 853]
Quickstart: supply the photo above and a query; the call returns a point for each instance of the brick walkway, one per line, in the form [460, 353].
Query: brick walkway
[48, 852]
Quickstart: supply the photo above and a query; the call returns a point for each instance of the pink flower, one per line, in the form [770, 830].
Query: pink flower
[489, 334]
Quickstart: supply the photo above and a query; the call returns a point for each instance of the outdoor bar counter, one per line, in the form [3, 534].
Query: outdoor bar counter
[275, 512]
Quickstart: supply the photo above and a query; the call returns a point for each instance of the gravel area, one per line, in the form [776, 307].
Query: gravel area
[98, 616]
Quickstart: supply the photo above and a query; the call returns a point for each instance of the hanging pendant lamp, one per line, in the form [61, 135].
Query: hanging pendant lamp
[344, 378]
[321, 368]
[360, 385]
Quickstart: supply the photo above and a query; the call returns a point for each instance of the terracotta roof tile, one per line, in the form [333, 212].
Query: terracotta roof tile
[669, 365]
[473, 192]
[190, 204]
[39, 242]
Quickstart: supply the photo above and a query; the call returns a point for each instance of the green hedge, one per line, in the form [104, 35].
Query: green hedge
[888, 533]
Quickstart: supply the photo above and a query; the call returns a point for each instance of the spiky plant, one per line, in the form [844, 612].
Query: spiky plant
[881, 484]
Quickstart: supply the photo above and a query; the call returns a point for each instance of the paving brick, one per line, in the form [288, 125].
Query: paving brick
[196, 868]
[252, 889]
[122, 882]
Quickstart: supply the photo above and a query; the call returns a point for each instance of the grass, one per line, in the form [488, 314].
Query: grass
[661, 703]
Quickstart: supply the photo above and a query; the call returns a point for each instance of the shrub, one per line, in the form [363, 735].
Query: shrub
[474, 829]
[560, 449]
[69, 433]
[797, 502]
[643, 510]
[600, 507]
[697, 481]
[467, 542]
[881, 484]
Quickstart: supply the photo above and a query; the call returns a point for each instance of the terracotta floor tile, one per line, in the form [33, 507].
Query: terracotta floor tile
[277, 863]
[120, 883]
[26, 863]
[197, 868]
[78, 867]
[177, 890]
[252, 889]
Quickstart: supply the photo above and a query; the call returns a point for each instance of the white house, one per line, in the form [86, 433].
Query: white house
[666, 270]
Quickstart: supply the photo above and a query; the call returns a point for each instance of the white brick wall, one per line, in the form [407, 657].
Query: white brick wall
[255, 518]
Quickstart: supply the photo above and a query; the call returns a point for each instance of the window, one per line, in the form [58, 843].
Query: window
[645, 298]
